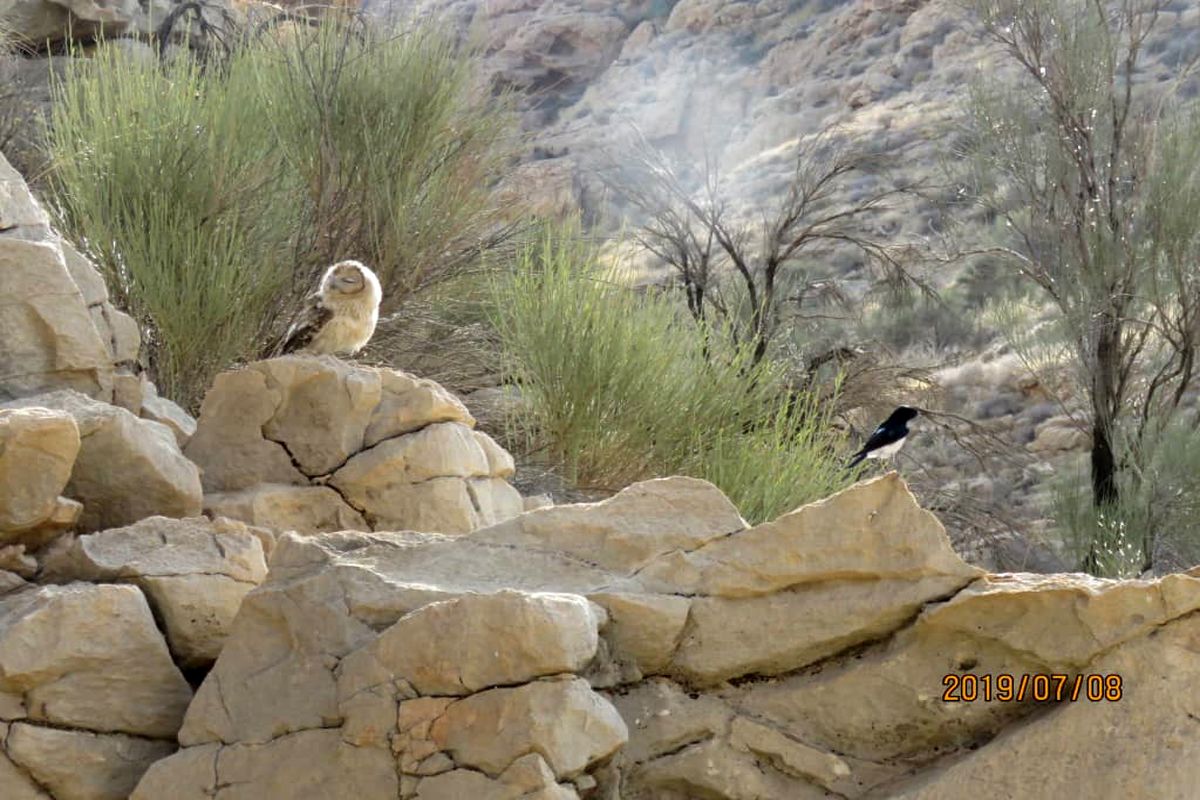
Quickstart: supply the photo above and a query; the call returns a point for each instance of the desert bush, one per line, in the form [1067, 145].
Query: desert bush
[622, 385]
[1157, 519]
[169, 179]
[1093, 174]
[213, 194]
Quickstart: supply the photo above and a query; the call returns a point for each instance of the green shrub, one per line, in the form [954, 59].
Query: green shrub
[1155, 524]
[170, 180]
[212, 195]
[621, 386]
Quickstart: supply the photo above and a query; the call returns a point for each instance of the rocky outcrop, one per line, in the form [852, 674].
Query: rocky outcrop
[36, 22]
[89, 695]
[59, 328]
[127, 468]
[194, 574]
[38, 447]
[654, 646]
[316, 444]
[91, 692]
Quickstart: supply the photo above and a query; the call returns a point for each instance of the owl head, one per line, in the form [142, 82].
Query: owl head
[350, 278]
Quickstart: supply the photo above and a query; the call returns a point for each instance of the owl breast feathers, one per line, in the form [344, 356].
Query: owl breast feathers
[342, 315]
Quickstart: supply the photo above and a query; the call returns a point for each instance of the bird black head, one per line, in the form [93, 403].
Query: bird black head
[902, 415]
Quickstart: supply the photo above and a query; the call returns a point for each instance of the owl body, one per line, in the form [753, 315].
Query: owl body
[342, 316]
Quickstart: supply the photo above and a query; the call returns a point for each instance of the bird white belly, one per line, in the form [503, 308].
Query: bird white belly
[888, 450]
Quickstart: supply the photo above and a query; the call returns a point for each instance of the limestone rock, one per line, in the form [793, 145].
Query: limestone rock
[126, 336]
[410, 403]
[37, 451]
[187, 775]
[127, 469]
[49, 337]
[64, 517]
[194, 573]
[495, 500]
[13, 559]
[35, 22]
[324, 409]
[872, 530]
[78, 765]
[713, 769]
[630, 529]
[500, 461]
[794, 664]
[438, 451]
[161, 410]
[304, 509]
[90, 657]
[528, 777]
[399, 451]
[644, 628]
[228, 443]
[441, 505]
[16, 784]
[490, 730]
[1063, 621]
[127, 392]
[476, 641]
[21, 217]
[536, 501]
[310, 763]
[1157, 708]
[729, 637]
[87, 277]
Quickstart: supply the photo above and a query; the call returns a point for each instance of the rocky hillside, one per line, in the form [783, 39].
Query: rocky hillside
[741, 81]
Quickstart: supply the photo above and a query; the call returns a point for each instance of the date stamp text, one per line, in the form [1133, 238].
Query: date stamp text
[1053, 687]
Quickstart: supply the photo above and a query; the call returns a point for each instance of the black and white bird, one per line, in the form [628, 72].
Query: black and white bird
[888, 438]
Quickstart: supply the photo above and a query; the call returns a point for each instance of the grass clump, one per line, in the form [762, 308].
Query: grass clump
[620, 386]
[212, 195]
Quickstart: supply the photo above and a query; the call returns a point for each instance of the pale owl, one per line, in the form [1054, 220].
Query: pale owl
[342, 315]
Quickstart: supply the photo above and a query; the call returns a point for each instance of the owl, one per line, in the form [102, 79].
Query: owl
[342, 315]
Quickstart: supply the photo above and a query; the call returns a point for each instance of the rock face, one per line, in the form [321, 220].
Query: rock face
[652, 646]
[58, 328]
[91, 693]
[127, 468]
[316, 444]
[37, 453]
[35, 22]
[194, 573]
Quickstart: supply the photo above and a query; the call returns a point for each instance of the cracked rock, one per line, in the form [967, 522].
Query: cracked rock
[194, 572]
[89, 656]
[127, 468]
[38, 447]
[479, 640]
[372, 448]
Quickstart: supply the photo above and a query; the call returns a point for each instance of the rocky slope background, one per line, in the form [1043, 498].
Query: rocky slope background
[289, 642]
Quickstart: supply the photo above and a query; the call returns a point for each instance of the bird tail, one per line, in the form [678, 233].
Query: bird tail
[857, 459]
